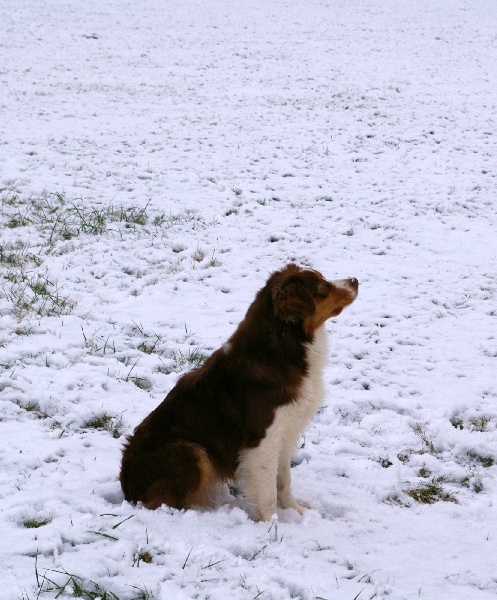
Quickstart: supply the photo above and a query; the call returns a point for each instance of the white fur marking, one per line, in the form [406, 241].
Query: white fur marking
[265, 470]
[345, 284]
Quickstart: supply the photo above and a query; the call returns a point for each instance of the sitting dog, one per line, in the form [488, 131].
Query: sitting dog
[240, 415]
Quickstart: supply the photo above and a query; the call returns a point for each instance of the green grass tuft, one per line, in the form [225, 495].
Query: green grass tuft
[72, 586]
[420, 431]
[484, 460]
[33, 292]
[36, 523]
[194, 357]
[431, 492]
[479, 423]
[143, 556]
[106, 422]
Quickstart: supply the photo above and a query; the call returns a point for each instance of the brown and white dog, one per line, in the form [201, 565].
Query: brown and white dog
[240, 415]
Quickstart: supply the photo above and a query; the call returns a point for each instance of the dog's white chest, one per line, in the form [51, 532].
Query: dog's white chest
[311, 392]
[290, 420]
[260, 467]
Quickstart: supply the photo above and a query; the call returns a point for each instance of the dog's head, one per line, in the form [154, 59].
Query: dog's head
[304, 295]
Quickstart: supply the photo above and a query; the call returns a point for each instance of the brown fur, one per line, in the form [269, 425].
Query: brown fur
[193, 439]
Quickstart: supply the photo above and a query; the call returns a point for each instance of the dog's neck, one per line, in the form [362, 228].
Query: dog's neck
[317, 350]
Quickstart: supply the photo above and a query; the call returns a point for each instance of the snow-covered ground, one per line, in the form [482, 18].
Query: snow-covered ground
[158, 159]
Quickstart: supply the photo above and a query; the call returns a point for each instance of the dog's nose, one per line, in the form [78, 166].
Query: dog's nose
[354, 282]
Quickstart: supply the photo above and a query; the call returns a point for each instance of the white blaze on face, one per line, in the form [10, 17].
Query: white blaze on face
[346, 284]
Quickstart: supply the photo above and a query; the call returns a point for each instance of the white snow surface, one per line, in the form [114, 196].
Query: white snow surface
[358, 137]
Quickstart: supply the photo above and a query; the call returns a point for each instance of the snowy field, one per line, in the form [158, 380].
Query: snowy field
[158, 159]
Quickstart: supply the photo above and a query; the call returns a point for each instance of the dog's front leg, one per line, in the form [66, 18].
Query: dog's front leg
[257, 473]
[285, 496]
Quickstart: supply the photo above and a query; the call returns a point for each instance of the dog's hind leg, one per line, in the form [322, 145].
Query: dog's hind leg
[179, 474]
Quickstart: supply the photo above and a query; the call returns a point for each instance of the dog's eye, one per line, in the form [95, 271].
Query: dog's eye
[323, 289]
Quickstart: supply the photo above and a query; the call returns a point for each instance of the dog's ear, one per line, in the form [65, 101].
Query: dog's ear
[292, 302]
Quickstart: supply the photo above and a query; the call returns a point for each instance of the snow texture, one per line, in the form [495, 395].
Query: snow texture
[157, 161]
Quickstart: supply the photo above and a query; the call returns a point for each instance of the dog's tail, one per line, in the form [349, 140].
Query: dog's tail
[180, 474]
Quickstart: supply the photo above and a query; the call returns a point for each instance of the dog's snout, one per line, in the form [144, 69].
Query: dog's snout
[354, 282]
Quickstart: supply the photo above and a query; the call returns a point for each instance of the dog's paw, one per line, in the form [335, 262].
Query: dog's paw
[267, 515]
[300, 506]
